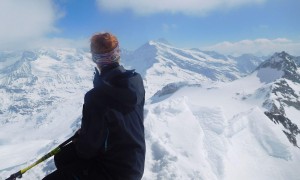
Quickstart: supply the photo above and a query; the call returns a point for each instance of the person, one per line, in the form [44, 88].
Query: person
[111, 142]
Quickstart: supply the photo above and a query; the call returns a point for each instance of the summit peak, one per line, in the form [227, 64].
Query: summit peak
[280, 61]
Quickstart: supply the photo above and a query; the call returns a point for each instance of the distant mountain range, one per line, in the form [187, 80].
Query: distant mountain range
[207, 115]
[156, 59]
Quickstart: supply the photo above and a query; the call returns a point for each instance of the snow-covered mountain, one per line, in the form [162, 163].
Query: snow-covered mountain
[207, 116]
[41, 94]
[284, 102]
[162, 64]
[33, 81]
[244, 129]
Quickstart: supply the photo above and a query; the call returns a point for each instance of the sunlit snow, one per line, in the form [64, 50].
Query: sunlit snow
[203, 120]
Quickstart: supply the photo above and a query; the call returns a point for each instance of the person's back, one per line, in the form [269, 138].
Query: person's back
[122, 100]
[111, 142]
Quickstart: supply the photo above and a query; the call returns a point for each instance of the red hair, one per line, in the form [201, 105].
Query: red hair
[103, 42]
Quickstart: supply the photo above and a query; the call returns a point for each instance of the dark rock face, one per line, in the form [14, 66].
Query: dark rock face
[297, 61]
[170, 89]
[285, 95]
[280, 61]
[288, 93]
[292, 129]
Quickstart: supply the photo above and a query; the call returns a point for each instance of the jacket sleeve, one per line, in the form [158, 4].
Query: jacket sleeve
[93, 128]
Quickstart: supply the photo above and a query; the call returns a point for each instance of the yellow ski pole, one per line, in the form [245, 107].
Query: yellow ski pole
[48, 155]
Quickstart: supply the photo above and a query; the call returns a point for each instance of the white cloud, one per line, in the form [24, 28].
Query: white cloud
[257, 46]
[188, 7]
[24, 21]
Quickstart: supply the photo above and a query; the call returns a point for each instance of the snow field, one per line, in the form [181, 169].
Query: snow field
[231, 136]
[175, 138]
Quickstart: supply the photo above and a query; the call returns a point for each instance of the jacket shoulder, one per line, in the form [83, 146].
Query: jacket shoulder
[89, 96]
[92, 95]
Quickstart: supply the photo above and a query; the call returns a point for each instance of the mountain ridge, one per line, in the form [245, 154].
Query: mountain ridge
[166, 60]
[284, 94]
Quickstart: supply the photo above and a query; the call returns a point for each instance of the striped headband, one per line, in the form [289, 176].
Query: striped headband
[107, 58]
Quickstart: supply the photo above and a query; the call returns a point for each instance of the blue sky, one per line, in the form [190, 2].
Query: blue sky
[228, 26]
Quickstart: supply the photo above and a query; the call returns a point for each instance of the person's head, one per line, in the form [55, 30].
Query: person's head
[105, 49]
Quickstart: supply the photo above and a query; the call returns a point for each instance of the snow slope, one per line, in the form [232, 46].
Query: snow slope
[218, 131]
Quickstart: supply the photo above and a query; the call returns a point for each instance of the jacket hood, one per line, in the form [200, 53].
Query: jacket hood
[124, 86]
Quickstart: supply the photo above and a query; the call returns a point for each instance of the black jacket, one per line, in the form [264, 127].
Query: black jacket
[112, 129]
